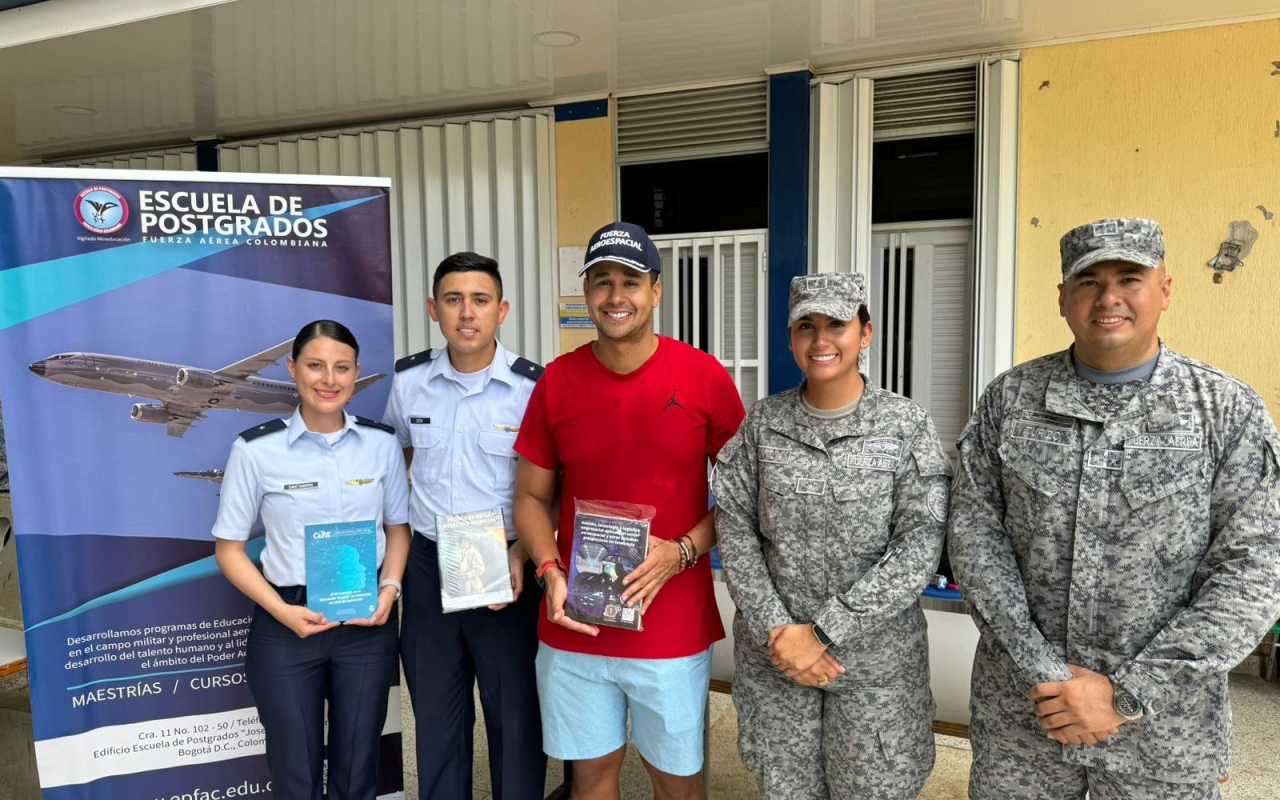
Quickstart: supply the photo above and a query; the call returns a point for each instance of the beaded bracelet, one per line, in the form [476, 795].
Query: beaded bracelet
[685, 551]
[692, 547]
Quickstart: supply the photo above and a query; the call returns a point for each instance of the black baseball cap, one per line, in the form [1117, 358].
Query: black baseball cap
[625, 244]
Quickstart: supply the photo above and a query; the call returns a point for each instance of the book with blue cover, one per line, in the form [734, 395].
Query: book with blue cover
[342, 569]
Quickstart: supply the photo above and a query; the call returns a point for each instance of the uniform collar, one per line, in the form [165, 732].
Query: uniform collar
[296, 426]
[790, 418]
[1160, 400]
[499, 370]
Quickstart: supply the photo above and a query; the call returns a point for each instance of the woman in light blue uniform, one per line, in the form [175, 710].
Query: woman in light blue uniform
[322, 467]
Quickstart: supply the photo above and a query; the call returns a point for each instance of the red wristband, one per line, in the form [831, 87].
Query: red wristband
[548, 564]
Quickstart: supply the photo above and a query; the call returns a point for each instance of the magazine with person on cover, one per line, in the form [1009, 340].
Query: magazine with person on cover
[473, 560]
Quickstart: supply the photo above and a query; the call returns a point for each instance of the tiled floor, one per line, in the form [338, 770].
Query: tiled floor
[1255, 775]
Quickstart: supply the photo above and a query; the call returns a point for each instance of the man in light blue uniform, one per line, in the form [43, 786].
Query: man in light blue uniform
[456, 412]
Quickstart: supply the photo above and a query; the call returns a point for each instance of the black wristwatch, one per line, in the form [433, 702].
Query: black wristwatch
[822, 636]
[1125, 704]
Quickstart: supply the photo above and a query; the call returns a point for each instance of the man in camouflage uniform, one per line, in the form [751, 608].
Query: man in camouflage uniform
[1115, 530]
[830, 511]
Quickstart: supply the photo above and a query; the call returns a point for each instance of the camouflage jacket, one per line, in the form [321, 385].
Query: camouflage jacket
[1145, 547]
[844, 532]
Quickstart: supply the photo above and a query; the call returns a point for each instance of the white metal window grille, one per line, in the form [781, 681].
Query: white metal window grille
[693, 123]
[913, 106]
[921, 297]
[178, 158]
[478, 183]
[714, 298]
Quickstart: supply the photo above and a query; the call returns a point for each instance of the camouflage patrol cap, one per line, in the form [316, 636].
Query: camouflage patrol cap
[839, 295]
[1130, 239]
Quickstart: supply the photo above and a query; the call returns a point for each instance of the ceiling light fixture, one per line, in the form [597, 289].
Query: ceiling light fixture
[77, 111]
[556, 38]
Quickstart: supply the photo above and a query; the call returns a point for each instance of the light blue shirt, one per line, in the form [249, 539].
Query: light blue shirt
[296, 478]
[463, 439]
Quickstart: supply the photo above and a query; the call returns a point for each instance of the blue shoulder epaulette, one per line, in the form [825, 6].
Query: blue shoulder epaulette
[263, 429]
[373, 423]
[525, 367]
[414, 360]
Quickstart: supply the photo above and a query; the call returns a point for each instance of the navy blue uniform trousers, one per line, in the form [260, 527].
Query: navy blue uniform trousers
[351, 666]
[444, 655]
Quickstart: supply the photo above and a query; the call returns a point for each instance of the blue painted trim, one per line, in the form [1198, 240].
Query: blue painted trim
[6, 5]
[587, 109]
[207, 155]
[788, 213]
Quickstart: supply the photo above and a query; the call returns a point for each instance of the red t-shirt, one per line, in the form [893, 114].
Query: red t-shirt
[643, 438]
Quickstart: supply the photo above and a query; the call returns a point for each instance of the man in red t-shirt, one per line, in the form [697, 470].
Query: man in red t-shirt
[632, 417]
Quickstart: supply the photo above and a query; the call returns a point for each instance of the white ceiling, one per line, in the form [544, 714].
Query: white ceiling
[250, 67]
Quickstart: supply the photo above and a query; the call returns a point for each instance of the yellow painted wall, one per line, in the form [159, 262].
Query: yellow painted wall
[584, 195]
[1180, 127]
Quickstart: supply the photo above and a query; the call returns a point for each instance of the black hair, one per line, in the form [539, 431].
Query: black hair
[327, 328]
[466, 262]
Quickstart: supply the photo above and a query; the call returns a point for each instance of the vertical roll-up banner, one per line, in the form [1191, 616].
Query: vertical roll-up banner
[144, 321]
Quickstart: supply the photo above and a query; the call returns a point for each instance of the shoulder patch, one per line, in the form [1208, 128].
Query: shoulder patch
[938, 501]
[373, 423]
[263, 429]
[525, 367]
[414, 360]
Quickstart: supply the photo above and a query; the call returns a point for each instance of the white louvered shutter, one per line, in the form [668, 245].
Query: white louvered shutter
[693, 123]
[947, 365]
[912, 106]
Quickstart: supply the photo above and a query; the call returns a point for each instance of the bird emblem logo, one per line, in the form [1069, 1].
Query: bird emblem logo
[101, 210]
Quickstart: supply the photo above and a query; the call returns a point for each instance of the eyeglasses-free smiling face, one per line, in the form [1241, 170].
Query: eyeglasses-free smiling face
[621, 300]
[325, 373]
[826, 349]
[1113, 309]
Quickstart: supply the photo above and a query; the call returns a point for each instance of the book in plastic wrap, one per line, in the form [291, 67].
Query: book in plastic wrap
[342, 569]
[473, 560]
[609, 541]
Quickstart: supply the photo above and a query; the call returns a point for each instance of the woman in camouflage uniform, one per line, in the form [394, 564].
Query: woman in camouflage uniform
[831, 504]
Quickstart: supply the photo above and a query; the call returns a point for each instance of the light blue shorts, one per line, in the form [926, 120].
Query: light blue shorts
[585, 700]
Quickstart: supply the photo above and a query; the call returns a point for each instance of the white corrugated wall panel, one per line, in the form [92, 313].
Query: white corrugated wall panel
[178, 158]
[482, 184]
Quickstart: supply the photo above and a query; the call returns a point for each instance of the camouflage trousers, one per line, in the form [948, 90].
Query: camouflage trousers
[1013, 759]
[845, 741]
